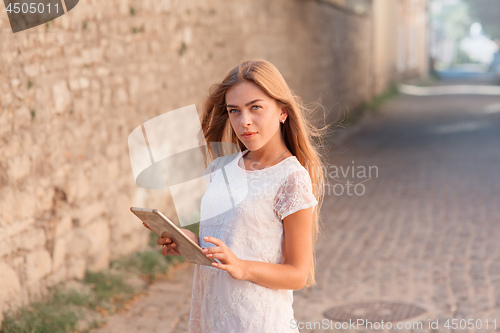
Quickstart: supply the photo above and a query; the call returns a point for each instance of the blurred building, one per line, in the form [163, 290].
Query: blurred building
[399, 41]
[399, 31]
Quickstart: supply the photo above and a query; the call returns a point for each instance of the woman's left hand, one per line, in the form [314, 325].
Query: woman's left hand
[229, 261]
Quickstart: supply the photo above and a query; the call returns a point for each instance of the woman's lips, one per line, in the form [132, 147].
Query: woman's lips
[249, 135]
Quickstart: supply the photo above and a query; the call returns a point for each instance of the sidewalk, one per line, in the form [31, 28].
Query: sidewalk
[164, 308]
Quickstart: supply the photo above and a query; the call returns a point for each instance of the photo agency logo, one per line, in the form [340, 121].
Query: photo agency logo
[26, 14]
[169, 151]
[348, 179]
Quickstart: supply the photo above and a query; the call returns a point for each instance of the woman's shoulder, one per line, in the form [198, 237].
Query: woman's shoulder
[291, 171]
[293, 166]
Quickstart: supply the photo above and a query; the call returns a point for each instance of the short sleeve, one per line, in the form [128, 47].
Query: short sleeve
[294, 194]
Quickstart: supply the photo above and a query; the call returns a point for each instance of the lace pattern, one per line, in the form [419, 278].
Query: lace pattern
[246, 215]
[294, 195]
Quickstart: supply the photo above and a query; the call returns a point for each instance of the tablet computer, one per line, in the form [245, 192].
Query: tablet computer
[159, 223]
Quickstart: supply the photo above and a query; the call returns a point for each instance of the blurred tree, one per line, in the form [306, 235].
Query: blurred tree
[488, 13]
[453, 18]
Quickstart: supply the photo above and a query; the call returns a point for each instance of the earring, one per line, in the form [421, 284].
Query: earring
[282, 121]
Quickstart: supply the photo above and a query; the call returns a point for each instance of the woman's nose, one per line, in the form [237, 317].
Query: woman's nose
[245, 119]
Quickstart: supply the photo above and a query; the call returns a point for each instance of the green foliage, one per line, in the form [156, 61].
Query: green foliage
[109, 286]
[194, 228]
[454, 18]
[152, 240]
[71, 297]
[372, 106]
[109, 291]
[376, 102]
[132, 11]
[55, 314]
[149, 264]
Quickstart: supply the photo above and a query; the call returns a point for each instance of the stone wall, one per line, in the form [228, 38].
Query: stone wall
[72, 91]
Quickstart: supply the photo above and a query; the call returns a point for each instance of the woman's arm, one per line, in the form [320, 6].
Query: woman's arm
[297, 253]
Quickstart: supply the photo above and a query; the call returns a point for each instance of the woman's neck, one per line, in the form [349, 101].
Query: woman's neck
[258, 159]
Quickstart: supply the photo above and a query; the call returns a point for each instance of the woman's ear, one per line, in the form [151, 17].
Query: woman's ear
[283, 115]
[284, 111]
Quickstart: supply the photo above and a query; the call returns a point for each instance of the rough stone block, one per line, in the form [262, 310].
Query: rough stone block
[38, 265]
[29, 239]
[24, 205]
[6, 241]
[18, 167]
[44, 195]
[22, 118]
[78, 186]
[62, 96]
[32, 69]
[99, 236]
[76, 269]
[90, 212]
[79, 83]
[57, 276]
[127, 244]
[99, 261]
[78, 242]
[9, 282]
[64, 227]
[6, 206]
[19, 226]
[5, 123]
[59, 254]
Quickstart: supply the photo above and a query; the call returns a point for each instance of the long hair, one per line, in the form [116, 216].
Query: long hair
[299, 134]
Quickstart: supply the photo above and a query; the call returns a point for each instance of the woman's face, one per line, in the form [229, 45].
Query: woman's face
[254, 116]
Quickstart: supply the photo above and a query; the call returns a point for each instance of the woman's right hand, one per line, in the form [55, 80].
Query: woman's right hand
[169, 248]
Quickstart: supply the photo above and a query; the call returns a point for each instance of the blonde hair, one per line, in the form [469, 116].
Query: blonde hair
[298, 133]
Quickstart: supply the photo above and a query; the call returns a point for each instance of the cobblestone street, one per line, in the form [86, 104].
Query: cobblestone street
[426, 231]
[421, 227]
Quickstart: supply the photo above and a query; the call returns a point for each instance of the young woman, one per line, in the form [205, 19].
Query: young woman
[259, 215]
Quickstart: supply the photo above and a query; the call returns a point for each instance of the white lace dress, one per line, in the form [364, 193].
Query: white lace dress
[245, 210]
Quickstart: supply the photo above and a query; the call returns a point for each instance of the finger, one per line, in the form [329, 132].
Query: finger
[219, 265]
[163, 240]
[170, 246]
[214, 249]
[220, 256]
[214, 240]
[168, 250]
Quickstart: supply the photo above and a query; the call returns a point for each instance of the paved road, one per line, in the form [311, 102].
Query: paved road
[423, 230]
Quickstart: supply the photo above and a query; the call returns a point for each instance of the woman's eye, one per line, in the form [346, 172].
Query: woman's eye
[231, 110]
[255, 107]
